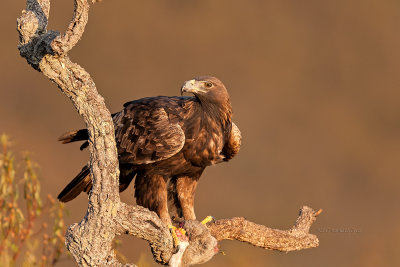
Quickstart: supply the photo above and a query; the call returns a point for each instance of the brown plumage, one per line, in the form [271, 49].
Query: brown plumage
[167, 142]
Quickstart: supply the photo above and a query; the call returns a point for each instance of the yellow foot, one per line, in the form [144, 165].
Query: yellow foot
[208, 219]
[178, 234]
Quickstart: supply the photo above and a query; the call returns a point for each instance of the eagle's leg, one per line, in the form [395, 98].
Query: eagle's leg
[185, 191]
[151, 193]
[181, 190]
[185, 188]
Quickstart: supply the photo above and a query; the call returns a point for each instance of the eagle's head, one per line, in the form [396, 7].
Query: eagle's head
[206, 88]
[212, 95]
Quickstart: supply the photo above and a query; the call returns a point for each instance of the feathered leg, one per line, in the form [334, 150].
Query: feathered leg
[151, 193]
[181, 191]
[185, 188]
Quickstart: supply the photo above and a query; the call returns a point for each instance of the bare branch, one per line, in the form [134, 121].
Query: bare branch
[142, 223]
[90, 240]
[62, 44]
[261, 236]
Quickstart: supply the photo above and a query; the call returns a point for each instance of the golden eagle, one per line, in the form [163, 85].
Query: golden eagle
[167, 142]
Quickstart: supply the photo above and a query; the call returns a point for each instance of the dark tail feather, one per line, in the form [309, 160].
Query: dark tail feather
[73, 136]
[82, 182]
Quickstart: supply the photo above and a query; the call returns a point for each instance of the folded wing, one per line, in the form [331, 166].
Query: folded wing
[146, 134]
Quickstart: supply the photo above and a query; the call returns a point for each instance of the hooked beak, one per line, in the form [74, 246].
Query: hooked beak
[191, 86]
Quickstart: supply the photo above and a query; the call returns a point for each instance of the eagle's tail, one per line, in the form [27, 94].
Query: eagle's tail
[73, 136]
[82, 182]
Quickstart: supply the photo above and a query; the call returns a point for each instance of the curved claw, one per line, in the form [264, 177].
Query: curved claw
[172, 229]
[178, 235]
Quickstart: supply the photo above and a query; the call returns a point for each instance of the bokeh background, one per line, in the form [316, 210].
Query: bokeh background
[315, 90]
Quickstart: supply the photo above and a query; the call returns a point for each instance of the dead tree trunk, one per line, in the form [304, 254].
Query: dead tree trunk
[89, 241]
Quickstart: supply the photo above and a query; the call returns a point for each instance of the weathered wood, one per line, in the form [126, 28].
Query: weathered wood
[261, 236]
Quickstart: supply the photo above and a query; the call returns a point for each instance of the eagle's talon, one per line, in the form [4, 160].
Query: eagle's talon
[178, 235]
[172, 229]
[207, 220]
[182, 231]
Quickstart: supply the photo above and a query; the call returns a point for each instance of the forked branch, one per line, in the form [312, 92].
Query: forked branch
[90, 240]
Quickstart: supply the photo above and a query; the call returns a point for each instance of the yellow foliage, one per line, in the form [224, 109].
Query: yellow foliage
[19, 217]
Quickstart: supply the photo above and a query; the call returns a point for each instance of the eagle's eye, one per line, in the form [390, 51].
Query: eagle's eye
[208, 84]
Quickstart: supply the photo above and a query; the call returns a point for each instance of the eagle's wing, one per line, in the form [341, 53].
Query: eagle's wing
[145, 134]
[232, 146]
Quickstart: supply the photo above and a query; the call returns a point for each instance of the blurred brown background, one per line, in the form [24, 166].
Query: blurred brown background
[315, 91]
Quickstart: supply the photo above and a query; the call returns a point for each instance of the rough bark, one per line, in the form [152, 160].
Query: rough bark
[89, 241]
[297, 238]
